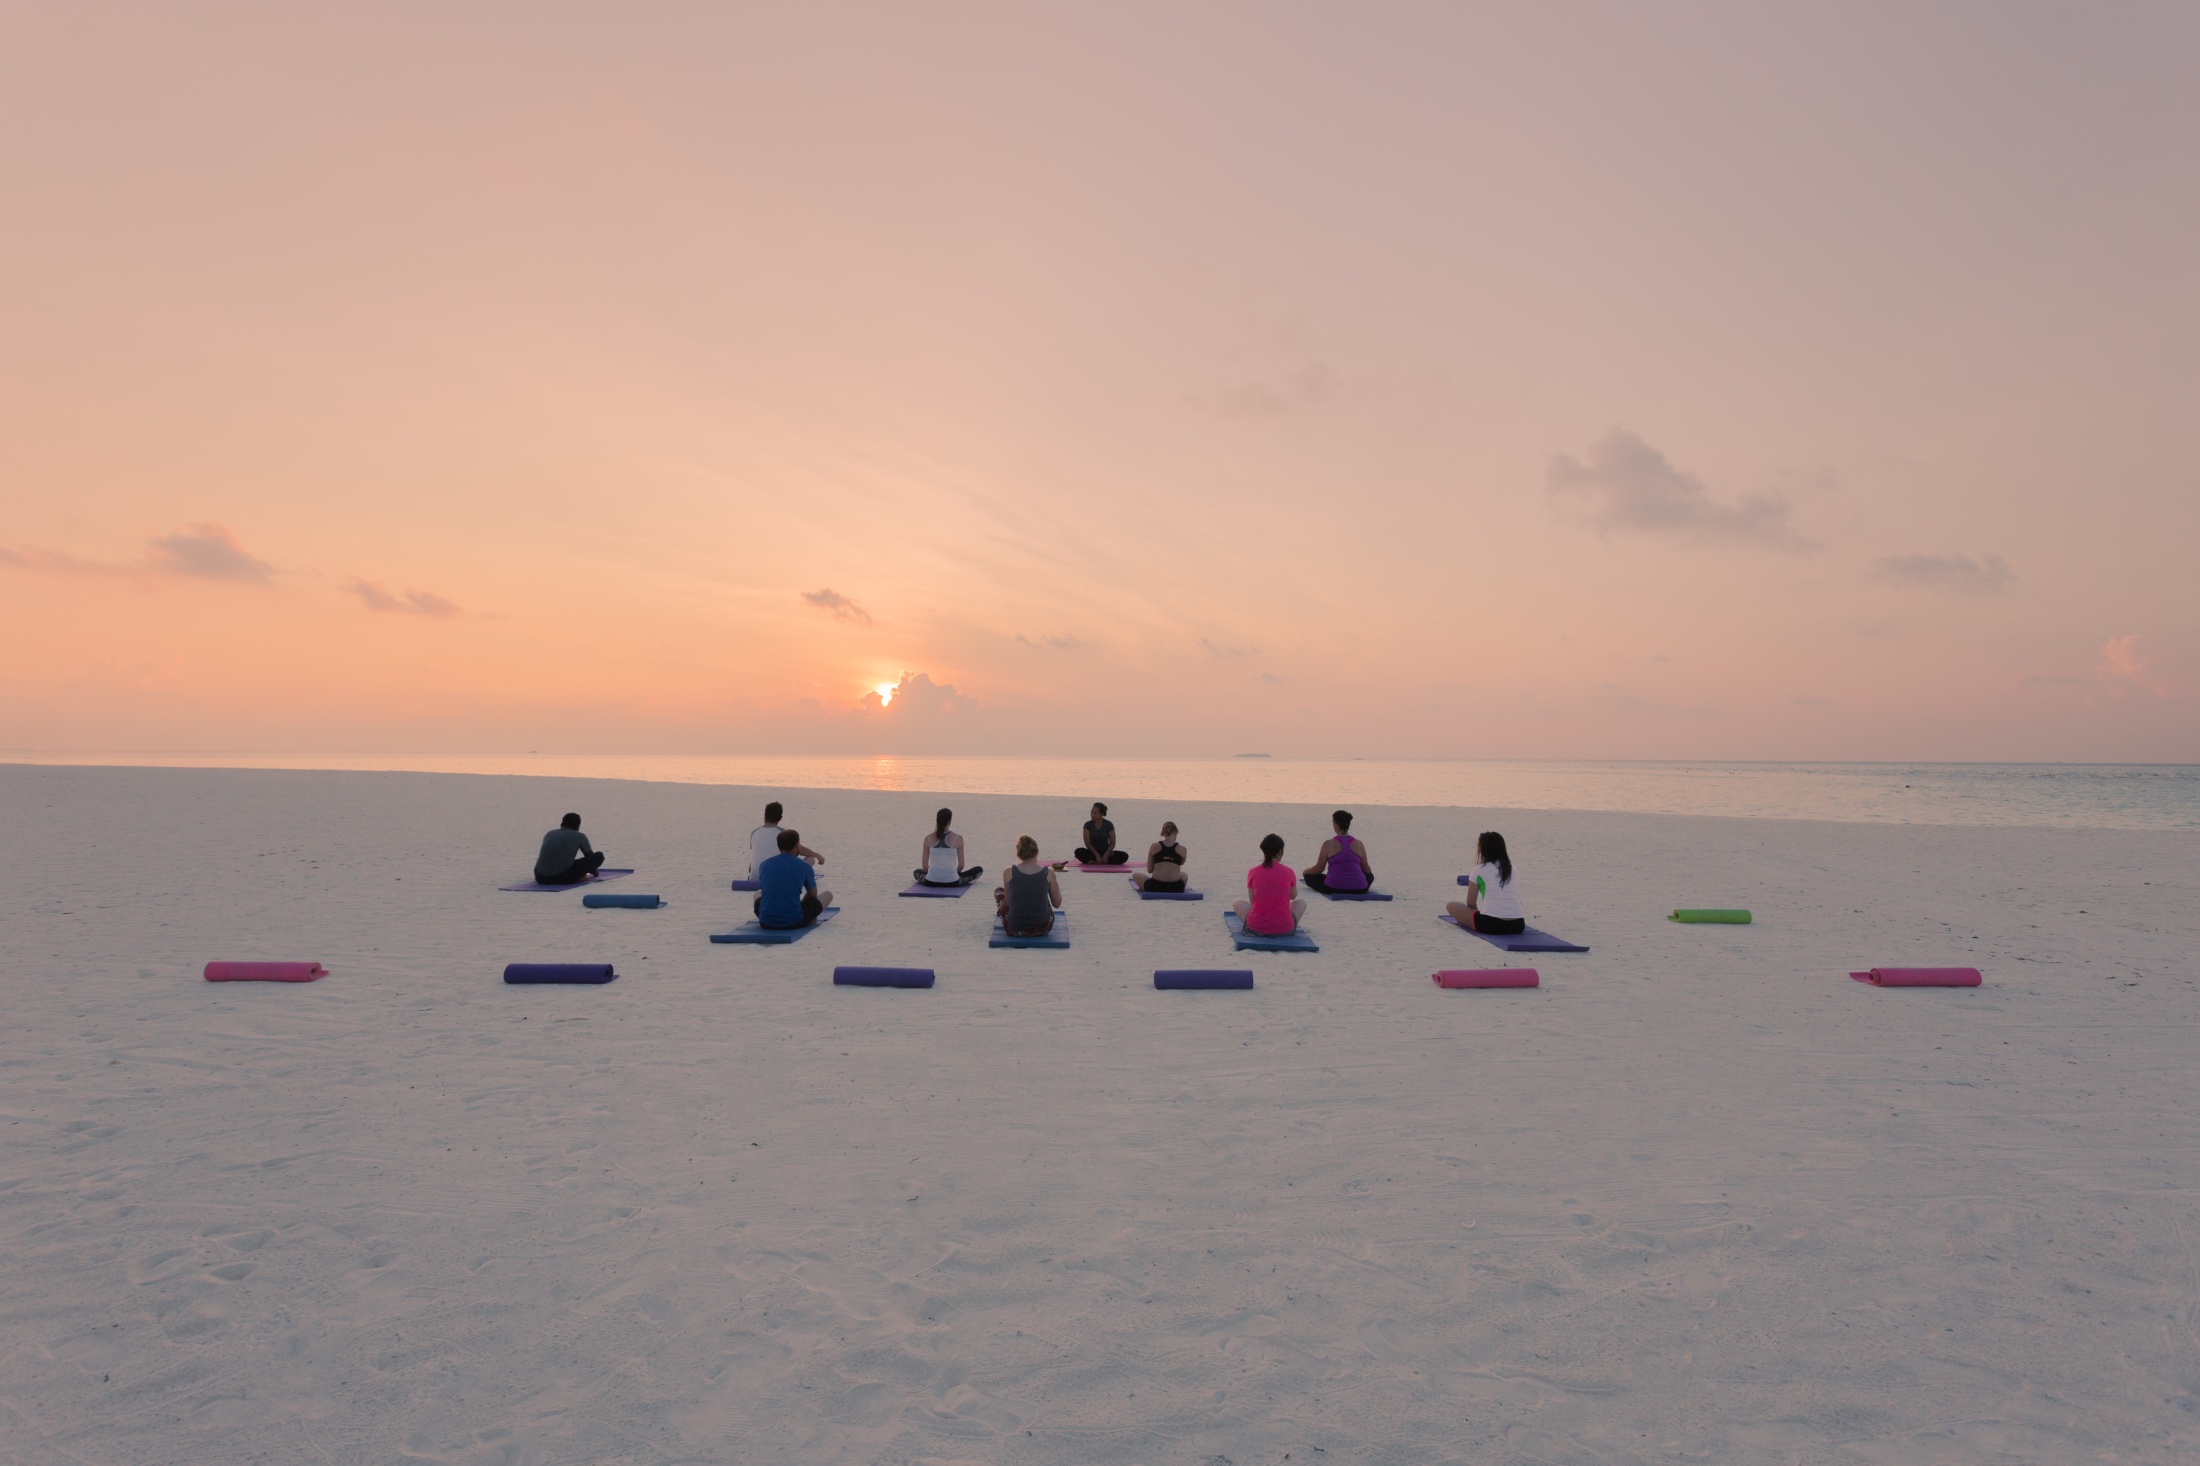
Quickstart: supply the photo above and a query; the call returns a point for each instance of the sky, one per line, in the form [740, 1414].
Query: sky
[1384, 380]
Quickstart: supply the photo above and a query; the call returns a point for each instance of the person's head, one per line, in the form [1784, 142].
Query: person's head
[570, 822]
[1026, 848]
[1168, 829]
[1271, 849]
[942, 820]
[1342, 819]
[772, 813]
[1099, 811]
[788, 839]
[1490, 847]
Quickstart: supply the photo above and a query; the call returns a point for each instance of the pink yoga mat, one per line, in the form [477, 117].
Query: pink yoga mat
[1108, 870]
[1487, 977]
[264, 971]
[1920, 977]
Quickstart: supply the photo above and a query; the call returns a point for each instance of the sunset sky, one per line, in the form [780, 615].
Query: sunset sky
[1461, 381]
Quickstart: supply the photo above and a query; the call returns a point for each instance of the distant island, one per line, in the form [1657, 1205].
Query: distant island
[1249, 755]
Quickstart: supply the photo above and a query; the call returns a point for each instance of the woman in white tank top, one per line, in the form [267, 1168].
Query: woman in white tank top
[942, 856]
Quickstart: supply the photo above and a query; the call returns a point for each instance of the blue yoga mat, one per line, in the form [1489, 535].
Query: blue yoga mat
[1058, 937]
[1353, 895]
[1246, 941]
[755, 933]
[1530, 940]
[748, 885]
[597, 900]
[594, 973]
[604, 873]
[882, 977]
[921, 889]
[1171, 896]
[1192, 977]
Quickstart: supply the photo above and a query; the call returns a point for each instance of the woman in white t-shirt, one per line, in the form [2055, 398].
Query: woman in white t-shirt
[764, 841]
[942, 856]
[1493, 897]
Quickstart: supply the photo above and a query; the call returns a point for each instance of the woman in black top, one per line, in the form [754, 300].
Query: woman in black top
[1164, 863]
[1099, 847]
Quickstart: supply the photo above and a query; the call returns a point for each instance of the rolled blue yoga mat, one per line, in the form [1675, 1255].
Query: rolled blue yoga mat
[1186, 978]
[882, 977]
[633, 900]
[593, 973]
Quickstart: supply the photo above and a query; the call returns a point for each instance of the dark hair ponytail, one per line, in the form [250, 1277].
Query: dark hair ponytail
[1491, 847]
[1271, 846]
[1342, 819]
[940, 822]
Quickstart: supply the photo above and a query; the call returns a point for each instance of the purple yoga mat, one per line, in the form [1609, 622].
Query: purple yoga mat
[1530, 940]
[608, 873]
[740, 885]
[921, 889]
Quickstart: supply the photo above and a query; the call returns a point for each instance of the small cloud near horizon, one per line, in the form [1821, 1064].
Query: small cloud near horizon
[1625, 484]
[1955, 574]
[1214, 650]
[917, 696]
[1055, 643]
[412, 603]
[842, 608]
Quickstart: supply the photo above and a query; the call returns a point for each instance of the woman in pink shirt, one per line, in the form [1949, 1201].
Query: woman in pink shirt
[1275, 908]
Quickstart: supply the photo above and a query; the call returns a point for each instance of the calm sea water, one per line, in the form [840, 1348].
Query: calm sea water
[2100, 796]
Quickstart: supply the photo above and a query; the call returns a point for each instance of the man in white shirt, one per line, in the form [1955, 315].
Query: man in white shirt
[764, 841]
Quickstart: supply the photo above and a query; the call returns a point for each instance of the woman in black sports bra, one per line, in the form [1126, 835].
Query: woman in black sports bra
[1165, 859]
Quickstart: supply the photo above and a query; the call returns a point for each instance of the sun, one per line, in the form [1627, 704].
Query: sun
[885, 691]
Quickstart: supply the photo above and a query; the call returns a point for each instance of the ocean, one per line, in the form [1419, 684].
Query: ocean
[2064, 796]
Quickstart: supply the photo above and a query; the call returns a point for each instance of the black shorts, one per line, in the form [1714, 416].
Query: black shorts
[1168, 887]
[812, 909]
[1499, 926]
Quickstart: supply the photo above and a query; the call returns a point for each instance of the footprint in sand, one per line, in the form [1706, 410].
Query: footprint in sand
[160, 1266]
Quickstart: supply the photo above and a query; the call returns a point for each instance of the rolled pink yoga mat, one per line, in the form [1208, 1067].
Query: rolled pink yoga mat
[264, 971]
[1920, 977]
[1487, 977]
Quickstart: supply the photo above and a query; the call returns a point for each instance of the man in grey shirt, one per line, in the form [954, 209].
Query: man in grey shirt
[567, 858]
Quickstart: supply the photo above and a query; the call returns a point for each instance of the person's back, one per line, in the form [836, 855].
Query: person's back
[943, 861]
[1271, 888]
[566, 857]
[783, 881]
[1347, 870]
[1030, 910]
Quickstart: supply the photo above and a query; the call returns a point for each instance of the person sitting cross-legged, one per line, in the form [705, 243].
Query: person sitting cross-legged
[566, 858]
[1099, 847]
[790, 897]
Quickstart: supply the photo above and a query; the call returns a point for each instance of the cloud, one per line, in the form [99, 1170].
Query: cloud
[1625, 484]
[917, 698]
[206, 552]
[1272, 678]
[2120, 672]
[1055, 643]
[1300, 390]
[842, 607]
[1213, 650]
[198, 552]
[1958, 574]
[412, 603]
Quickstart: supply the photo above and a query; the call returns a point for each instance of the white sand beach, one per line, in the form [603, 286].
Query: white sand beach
[1699, 1197]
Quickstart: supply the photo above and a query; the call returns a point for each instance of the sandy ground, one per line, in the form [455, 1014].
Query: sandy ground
[1698, 1198]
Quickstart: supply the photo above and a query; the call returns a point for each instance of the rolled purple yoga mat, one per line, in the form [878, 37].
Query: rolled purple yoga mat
[882, 977]
[1920, 977]
[265, 971]
[1210, 978]
[1487, 977]
[590, 973]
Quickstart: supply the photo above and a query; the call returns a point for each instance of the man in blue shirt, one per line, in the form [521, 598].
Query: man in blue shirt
[789, 896]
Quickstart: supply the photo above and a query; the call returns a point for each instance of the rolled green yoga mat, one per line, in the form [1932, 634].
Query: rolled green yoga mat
[1710, 918]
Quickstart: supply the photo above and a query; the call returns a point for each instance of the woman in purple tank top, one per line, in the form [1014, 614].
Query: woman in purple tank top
[1342, 863]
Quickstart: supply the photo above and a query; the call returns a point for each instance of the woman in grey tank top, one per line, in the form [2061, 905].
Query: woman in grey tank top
[1027, 897]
